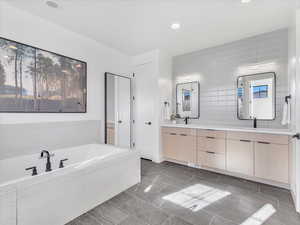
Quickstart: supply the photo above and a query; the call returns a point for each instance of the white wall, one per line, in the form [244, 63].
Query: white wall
[297, 108]
[29, 29]
[292, 89]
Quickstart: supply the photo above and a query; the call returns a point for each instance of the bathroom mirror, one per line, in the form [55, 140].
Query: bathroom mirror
[187, 100]
[117, 110]
[256, 96]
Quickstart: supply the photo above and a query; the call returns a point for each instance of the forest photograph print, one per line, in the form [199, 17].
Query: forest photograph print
[34, 80]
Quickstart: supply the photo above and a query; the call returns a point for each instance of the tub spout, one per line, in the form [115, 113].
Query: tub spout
[48, 164]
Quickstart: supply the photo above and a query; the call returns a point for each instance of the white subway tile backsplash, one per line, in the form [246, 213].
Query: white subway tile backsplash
[218, 68]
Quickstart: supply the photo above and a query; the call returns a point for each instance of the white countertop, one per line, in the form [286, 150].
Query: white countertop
[232, 128]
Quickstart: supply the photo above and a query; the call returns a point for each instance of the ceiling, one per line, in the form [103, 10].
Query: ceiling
[136, 26]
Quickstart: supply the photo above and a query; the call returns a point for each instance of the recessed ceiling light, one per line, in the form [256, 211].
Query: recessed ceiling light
[246, 1]
[175, 26]
[52, 4]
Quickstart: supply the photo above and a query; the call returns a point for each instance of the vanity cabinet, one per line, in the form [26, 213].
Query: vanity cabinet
[253, 155]
[272, 161]
[179, 144]
[240, 156]
[211, 149]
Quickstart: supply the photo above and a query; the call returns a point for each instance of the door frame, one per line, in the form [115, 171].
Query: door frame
[106, 74]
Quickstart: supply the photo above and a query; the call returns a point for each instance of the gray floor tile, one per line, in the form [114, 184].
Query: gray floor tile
[282, 195]
[221, 221]
[175, 221]
[109, 212]
[133, 221]
[194, 217]
[88, 219]
[144, 211]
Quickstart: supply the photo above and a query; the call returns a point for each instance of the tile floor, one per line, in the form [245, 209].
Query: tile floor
[171, 194]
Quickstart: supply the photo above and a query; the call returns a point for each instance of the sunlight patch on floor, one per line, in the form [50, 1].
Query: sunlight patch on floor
[261, 216]
[196, 197]
[147, 189]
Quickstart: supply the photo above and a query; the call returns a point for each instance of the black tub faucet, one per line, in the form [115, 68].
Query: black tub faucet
[48, 164]
[34, 170]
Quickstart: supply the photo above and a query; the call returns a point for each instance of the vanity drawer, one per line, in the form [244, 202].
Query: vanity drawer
[211, 160]
[269, 138]
[211, 144]
[237, 135]
[272, 138]
[211, 133]
[179, 131]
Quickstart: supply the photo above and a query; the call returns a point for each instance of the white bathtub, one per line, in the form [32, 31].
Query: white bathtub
[93, 174]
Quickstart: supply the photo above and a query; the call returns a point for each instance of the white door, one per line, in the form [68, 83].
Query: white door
[146, 115]
[123, 112]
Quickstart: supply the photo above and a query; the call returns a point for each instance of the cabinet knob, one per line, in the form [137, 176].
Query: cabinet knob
[148, 123]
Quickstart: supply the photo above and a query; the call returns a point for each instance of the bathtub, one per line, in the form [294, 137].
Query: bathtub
[93, 174]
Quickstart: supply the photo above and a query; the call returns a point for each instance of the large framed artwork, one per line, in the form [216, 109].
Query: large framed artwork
[33, 80]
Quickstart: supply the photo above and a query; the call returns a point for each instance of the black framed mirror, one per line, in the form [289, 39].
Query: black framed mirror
[188, 100]
[256, 96]
[118, 110]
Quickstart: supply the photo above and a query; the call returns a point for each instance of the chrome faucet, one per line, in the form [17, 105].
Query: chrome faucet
[48, 164]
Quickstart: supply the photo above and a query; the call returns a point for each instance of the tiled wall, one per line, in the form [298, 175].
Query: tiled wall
[31, 138]
[217, 69]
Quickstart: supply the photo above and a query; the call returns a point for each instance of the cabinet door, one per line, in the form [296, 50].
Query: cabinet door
[271, 161]
[170, 145]
[240, 157]
[186, 148]
[211, 160]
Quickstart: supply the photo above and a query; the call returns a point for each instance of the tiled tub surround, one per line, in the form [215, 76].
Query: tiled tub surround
[217, 70]
[93, 174]
[172, 194]
[29, 138]
[261, 155]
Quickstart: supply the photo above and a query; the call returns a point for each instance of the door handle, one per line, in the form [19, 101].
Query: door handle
[148, 123]
[120, 121]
